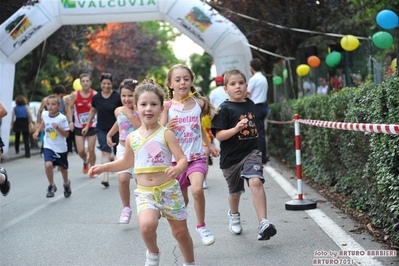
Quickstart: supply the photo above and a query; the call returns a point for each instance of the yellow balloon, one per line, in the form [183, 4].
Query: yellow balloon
[76, 85]
[302, 70]
[394, 65]
[349, 43]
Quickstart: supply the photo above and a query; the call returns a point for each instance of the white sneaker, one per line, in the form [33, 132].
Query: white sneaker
[125, 216]
[266, 230]
[235, 223]
[152, 259]
[204, 185]
[206, 236]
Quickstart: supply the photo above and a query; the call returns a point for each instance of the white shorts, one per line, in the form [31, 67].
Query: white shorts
[120, 150]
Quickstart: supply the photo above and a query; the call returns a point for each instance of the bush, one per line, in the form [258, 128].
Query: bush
[361, 164]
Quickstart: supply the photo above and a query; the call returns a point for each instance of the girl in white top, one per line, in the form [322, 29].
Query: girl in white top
[183, 113]
[127, 121]
[158, 193]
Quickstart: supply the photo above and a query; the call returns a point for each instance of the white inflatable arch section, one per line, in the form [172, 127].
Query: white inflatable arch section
[31, 25]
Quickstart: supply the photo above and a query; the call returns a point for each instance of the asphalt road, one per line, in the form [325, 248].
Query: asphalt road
[83, 229]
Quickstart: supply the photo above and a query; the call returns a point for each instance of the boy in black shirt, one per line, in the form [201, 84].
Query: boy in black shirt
[240, 158]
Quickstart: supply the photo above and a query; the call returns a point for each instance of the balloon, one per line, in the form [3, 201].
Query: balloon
[382, 39]
[333, 59]
[285, 73]
[76, 85]
[302, 70]
[313, 61]
[349, 43]
[394, 65]
[277, 80]
[387, 19]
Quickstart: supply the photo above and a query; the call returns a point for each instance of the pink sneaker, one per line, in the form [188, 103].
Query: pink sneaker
[125, 216]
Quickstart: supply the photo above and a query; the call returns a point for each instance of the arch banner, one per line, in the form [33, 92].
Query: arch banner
[31, 25]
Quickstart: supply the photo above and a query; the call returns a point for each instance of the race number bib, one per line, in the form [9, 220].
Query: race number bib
[83, 118]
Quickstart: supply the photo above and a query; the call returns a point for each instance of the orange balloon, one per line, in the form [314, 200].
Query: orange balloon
[313, 61]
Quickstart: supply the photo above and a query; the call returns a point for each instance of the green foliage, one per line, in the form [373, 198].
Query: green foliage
[57, 61]
[201, 66]
[364, 165]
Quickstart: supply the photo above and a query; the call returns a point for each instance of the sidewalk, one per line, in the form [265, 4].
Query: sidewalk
[11, 155]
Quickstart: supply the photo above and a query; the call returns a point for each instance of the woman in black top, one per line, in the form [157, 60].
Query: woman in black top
[104, 104]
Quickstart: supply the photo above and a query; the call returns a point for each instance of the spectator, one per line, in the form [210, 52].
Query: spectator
[388, 61]
[308, 87]
[20, 121]
[323, 86]
[218, 95]
[257, 92]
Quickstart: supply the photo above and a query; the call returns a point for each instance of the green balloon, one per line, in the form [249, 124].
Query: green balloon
[333, 59]
[382, 39]
[277, 80]
[285, 73]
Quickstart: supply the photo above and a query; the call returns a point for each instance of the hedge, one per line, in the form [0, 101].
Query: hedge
[360, 164]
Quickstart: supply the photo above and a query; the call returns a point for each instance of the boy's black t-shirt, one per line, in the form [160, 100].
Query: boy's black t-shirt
[234, 149]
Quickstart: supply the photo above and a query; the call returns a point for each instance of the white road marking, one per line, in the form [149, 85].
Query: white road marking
[41, 207]
[335, 232]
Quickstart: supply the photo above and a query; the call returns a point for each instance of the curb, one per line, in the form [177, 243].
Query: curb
[12, 157]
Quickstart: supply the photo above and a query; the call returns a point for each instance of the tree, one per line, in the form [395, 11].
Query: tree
[136, 50]
[335, 16]
[201, 66]
[54, 61]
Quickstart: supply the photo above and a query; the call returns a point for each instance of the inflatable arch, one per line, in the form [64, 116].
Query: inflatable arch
[31, 25]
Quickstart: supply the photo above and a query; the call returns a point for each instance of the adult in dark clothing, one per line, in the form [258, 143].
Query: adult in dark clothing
[20, 121]
[104, 104]
[257, 92]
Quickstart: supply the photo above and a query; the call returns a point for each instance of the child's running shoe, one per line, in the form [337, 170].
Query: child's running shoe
[235, 223]
[125, 216]
[5, 187]
[67, 190]
[51, 190]
[206, 236]
[266, 230]
[152, 259]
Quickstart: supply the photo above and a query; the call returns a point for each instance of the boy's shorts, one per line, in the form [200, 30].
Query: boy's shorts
[249, 167]
[166, 198]
[60, 159]
[198, 165]
[120, 151]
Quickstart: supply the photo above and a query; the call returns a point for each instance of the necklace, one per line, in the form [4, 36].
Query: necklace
[152, 131]
[189, 96]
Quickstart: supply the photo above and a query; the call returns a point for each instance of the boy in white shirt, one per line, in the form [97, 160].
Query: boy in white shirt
[55, 152]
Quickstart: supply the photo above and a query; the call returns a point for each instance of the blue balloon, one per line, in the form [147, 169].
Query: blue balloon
[387, 19]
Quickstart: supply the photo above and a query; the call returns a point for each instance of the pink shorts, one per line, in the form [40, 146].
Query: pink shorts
[198, 165]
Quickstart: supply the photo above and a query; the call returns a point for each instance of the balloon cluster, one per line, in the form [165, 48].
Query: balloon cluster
[388, 20]
[348, 43]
